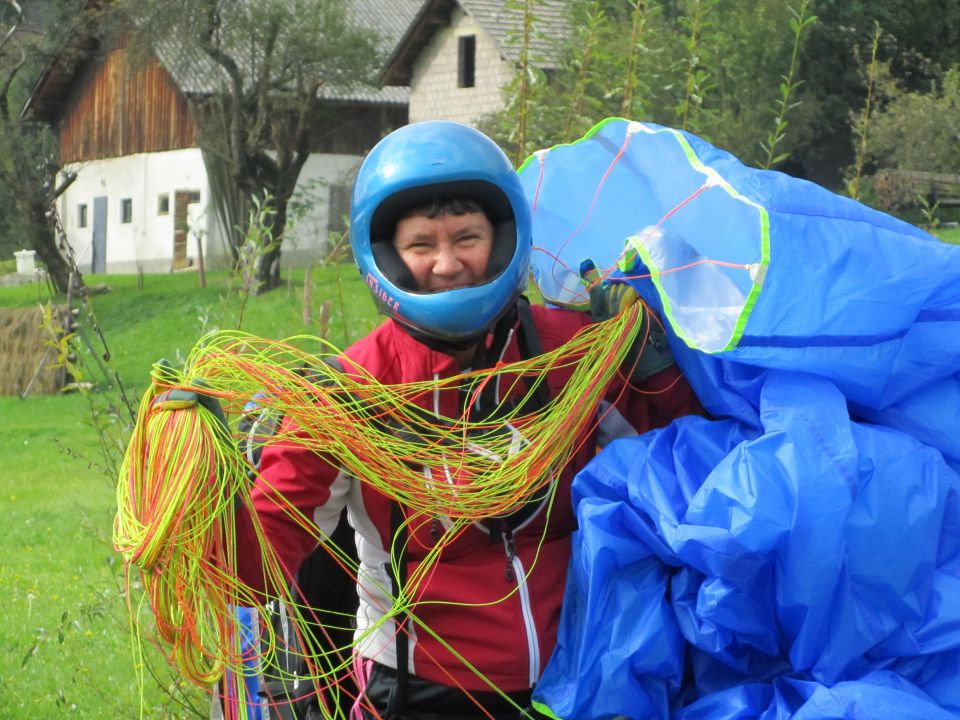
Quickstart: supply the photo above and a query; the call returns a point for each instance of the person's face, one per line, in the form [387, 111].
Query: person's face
[445, 252]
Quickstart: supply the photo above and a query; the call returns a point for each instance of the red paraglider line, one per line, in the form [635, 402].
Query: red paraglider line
[596, 194]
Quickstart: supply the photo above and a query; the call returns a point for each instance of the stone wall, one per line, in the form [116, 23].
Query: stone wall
[434, 94]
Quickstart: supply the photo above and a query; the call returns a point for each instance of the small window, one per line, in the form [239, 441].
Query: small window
[193, 196]
[466, 61]
[82, 215]
[339, 208]
[163, 204]
[126, 210]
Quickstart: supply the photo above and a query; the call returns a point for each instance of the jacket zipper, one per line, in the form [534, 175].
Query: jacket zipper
[515, 572]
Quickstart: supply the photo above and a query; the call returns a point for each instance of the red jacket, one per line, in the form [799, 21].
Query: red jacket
[504, 623]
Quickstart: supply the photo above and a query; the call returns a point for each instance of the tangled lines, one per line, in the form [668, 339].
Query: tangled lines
[183, 473]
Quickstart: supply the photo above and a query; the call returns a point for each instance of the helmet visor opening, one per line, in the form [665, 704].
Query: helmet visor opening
[492, 200]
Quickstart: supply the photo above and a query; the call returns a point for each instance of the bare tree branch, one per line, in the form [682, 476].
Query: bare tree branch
[16, 23]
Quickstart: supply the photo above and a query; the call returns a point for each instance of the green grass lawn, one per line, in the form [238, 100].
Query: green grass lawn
[64, 633]
[950, 235]
[63, 625]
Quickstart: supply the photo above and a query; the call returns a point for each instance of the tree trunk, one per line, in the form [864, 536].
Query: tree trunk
[268, 273]
[42, 237]
[284, 174]
[45, 245]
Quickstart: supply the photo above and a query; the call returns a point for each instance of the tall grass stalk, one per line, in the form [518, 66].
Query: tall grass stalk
[641, 15]
[338, 252]
[258, 240]
[594, 21]
[523, 90]
[862, 130]
[799, 22]
[697, 83]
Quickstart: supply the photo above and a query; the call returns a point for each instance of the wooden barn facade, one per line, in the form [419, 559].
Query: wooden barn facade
[120, 109]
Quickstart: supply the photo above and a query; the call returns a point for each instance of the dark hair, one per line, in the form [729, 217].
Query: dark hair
[438, 207]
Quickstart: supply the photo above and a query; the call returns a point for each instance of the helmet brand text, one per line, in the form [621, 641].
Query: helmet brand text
[382, 295]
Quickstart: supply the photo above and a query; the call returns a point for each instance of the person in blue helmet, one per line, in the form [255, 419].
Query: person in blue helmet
[441, 234]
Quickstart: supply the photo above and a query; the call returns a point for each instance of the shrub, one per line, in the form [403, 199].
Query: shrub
[919, 131]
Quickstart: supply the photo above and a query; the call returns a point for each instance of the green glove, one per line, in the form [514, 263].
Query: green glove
[607, 299]
[180, 399]
[651, 351]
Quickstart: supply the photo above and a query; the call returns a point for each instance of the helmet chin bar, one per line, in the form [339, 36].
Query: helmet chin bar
[448, 345]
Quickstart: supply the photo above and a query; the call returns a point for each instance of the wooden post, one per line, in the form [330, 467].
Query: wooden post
[201, 273]
[308, 296]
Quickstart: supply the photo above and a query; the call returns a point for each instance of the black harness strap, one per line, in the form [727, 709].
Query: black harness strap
[398, 559]
[528, 340]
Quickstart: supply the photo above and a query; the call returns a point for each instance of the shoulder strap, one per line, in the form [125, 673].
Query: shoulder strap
[530, 346]
[397, 703]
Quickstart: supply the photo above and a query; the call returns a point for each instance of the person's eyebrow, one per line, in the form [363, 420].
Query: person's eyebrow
[416, 237]
[472, 227]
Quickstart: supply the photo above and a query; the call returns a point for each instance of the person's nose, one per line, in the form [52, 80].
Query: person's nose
[447, 263]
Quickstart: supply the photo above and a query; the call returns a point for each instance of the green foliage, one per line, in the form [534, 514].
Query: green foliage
[918, 130]
[773, 81]
[920, 40]
[718, 69]
[26, 150]
[36, 145]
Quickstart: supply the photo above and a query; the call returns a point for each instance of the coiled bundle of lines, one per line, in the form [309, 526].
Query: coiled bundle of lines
[184, 475]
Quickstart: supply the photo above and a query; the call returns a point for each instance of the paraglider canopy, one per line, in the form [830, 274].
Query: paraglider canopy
[797, 555]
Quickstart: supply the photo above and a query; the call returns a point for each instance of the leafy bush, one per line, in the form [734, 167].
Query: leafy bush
[891, 191]
[918, 131]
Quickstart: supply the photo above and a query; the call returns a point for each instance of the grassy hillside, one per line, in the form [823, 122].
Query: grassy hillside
[64, 634]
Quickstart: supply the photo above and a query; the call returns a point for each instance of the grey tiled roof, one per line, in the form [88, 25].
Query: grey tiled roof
[196, 74]
[390, 18]
[505, 27]
[386, 95]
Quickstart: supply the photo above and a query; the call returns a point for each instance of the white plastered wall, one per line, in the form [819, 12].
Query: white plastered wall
[434, 94]
[306, 241]
[147, 240]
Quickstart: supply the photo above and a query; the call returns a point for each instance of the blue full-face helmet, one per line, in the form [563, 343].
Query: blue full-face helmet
[424, 163]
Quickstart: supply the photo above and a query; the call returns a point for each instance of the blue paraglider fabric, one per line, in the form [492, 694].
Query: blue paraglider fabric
[797, 553]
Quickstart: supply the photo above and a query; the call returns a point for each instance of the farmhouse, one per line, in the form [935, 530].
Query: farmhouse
[457, 55]
[141, 197]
